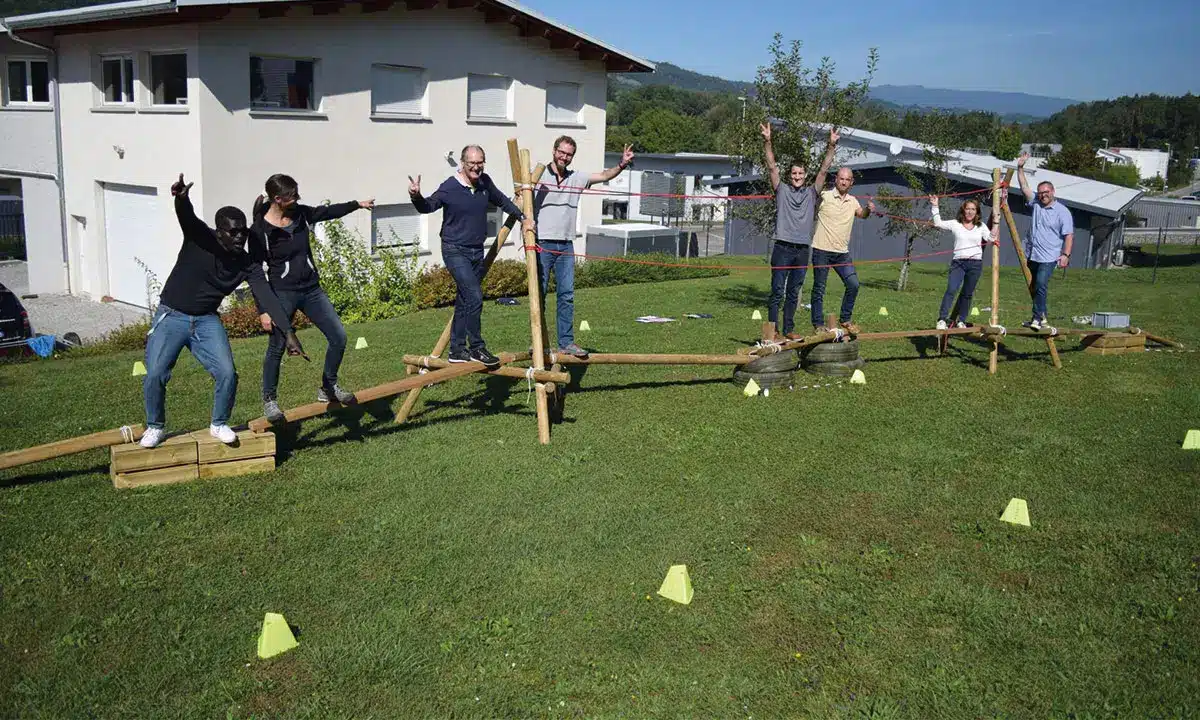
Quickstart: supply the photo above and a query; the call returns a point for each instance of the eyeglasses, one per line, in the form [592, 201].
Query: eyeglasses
[474, 164]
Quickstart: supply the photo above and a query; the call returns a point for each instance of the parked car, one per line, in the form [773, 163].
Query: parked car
[15, 328]
[1189, 197]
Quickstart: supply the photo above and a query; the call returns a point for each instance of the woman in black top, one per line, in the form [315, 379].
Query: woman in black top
[280, 236]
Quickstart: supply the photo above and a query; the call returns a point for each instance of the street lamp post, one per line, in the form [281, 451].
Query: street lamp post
[1168, 171]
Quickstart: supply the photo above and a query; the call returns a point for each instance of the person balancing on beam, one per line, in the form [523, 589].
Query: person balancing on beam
[795, 203]
[831, 248]
[1048, 245]
[211, 264]
[556, 207]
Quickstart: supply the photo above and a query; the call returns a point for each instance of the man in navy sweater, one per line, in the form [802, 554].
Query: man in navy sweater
[211, 264]
[464, 199]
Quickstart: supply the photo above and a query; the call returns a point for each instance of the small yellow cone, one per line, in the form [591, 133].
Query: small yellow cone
[361, 344]
[1016, 513]
[139, 368]
[751, 388]
[276, 637]
[974, 312]
[858, 378]
[756, 315]
[677, 586]
[883, 311]
[1192, 440]
[584, 326]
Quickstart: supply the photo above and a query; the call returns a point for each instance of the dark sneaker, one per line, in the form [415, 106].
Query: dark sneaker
[820, 329]
[272, 410]
[573, 349]
[333, 393]
[459, 356]
[793, 336]
[481, 355]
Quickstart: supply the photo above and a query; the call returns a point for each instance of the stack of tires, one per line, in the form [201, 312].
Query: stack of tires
[769, 371]
[836, 359]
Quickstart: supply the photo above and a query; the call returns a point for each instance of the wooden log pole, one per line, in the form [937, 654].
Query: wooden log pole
[995, 271]
[1156, 338]
[437, 363]
[519, 159]
[1016, 240]
[653, 359]
[107, 438]
[410, 401]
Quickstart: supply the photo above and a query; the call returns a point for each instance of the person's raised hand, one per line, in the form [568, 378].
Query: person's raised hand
[1021, 159]
[766, 131]
[180, 188]
[414, 186]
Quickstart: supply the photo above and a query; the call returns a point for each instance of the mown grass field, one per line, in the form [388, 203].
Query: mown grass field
[844, 543]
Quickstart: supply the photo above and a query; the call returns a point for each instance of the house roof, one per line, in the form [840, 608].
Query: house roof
[865, 150]
[150, 12]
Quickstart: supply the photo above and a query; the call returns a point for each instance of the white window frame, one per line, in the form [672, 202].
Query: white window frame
[128, 64]
[313, 95]
[577, 120]
[29, 102]
[509, 91]
[423, 113]
[151, 101]
[421, 243]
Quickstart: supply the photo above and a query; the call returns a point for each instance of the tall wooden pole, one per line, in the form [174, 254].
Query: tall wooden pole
[995, 271]
[519, 159]
[439, 347]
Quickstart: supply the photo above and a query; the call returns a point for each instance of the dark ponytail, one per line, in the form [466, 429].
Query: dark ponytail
[280, 185]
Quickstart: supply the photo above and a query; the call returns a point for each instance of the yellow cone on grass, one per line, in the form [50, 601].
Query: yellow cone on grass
[361, 344]
[138, 368]
[677, 586]
[276, 637]
[858, 378]
[974, 312]
[756, 315]
[883, 311]
[1016, 513]
[1192, 440]
[584, 326]
[751, 388]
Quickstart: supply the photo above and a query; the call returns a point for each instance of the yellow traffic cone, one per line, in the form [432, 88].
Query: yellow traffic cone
[751, 388]
[974, 312]
[139, 368]
[858, 378]
[677, 585]
[1016, 513]
[883, 311]
[276, 637]
[1192, 440]
[361, 344]
[585, 326]
[756, 315]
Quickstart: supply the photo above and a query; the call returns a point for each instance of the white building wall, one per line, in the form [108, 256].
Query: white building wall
[1150, 163]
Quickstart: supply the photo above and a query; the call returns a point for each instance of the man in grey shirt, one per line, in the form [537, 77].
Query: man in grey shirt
[1051, 235]
[795, 203]
[555, 208]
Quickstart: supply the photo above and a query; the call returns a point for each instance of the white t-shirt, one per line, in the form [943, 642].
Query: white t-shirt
[968, 243]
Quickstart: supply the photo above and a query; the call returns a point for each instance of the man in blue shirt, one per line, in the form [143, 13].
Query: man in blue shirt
[1051, 234]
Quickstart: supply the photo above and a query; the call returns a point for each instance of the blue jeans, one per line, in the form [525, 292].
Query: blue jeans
[317, 306]
[563, 266]
[170, 332]
[785, 284]
[964, 274]
[820, 274]
[1041, 272]
[466, 267]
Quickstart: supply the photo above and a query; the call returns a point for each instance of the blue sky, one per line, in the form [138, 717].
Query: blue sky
[1078, 49]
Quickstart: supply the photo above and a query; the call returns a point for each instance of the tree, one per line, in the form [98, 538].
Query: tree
[617, 137]
[802, 103]
[1075, 158]
[664, 131]
[1006, 144]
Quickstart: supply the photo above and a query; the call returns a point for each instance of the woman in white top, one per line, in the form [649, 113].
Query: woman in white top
[970, 235]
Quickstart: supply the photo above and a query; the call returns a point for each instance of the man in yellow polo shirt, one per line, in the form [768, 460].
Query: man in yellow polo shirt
[831, 248]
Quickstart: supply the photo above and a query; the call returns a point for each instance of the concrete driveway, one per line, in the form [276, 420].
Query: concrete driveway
[60, 314]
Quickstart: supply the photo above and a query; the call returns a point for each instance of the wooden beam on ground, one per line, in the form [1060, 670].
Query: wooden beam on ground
[444, 339]
[107, 438]
[1156, 338]
[652, 359]
[379, 392]
[930, 332]
[815, 339]
[437, 363]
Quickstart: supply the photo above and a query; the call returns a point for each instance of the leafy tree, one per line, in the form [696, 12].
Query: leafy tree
[664, 131]
[617, 137]
[1075, 158]
[1007, 143]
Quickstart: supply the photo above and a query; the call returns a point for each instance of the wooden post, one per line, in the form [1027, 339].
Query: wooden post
[995, 271]
[1016, 239]
[439, 347]
[118, 436]
[519, 159]
[516, 373]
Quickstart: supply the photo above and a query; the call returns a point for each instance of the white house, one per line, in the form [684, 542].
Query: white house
[636, 193]
[1150, 163]
[350, 98]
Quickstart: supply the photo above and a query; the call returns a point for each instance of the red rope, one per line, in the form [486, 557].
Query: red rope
[621, 193]
[539, 248]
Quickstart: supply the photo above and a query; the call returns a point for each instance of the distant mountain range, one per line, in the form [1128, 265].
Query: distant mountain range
[1013, 106]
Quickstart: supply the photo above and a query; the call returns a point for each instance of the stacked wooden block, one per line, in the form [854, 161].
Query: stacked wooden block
[1114, 343]
[191, 456]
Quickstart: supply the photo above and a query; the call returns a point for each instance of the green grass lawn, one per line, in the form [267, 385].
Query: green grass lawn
[844, 543]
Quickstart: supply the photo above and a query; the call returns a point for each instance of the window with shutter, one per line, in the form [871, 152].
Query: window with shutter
[396, 226]
[564, 105]
[398, 90]
[489, 97]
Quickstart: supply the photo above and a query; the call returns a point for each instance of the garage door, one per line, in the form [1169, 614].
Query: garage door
[133, 229]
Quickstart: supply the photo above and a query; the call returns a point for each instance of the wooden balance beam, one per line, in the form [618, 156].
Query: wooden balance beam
[436, 363]
[381, 392]
[651, 359]
[107, 438]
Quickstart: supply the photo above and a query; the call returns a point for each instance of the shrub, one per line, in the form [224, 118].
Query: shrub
[435, 287]
[360, 286]
[600, 273]
[241, 320]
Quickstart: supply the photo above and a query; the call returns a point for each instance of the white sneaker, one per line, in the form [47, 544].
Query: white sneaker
[152, 438]
[941, 325]
[224, 433]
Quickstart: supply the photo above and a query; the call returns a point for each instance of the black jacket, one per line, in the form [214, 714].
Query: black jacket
[205, 272]
[287, 251]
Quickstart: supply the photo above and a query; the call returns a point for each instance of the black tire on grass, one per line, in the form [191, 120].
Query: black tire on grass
[835, 369]
[830, 352]
[767, 381]
[776, 362]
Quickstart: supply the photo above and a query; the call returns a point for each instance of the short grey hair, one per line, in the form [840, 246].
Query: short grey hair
[462, 157]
